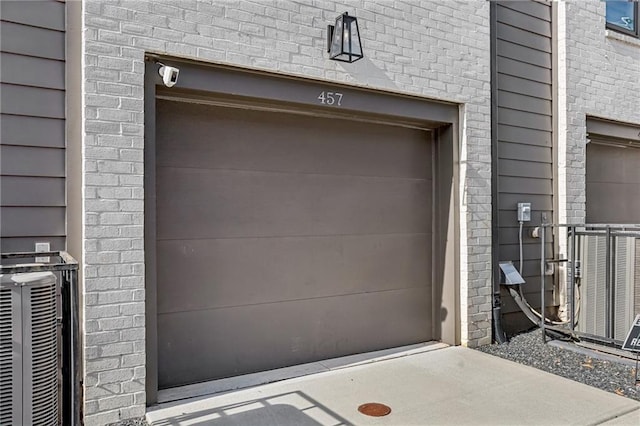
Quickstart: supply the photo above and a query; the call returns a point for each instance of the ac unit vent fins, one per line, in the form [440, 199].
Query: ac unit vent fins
[6, 358]
[28, 350]
[44, 356]
[592, 317]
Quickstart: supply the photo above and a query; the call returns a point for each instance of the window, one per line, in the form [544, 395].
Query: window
[622, 16]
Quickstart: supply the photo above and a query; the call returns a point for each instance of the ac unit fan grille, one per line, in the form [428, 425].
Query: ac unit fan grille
[28, 350]
[593, 301]
[44, 368]
[6, 357]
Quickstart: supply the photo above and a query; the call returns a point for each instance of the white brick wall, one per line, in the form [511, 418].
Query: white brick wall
[601, 78]
[429, 48]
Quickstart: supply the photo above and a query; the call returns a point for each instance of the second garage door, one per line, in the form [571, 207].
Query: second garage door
[284, 239]
[613, 184]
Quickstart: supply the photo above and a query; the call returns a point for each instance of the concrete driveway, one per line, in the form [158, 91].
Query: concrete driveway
[450, 385]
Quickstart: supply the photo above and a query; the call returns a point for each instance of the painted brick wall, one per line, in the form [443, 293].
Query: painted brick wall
[600, 76]
[428, 48]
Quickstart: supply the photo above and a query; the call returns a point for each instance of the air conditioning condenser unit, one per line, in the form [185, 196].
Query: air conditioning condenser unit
[625, 283]
[28, 350]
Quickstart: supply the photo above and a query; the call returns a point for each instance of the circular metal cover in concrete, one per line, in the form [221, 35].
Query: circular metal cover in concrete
[374, 409]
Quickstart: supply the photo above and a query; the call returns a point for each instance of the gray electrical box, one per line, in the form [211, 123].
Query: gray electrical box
[524, 212]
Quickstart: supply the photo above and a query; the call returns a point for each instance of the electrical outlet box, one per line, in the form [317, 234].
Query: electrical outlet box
[43, 247]
[524, 212]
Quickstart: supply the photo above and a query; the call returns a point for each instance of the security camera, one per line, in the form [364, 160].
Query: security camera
[169, 75]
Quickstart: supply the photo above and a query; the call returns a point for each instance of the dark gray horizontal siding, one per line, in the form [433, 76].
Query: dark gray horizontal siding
[32, 222]
[32, 101]
[26, 191]
[32, 41]
[31, 161]
[32, 131]
[522, 151]
[519, 102]
[535, 9]
[530, 250]
[524, 54]
[508, 201]
[523, 86]
[26, 243]
[506, 13]
[32, 71]
[524, 38]
[522, 69]
[32, 144]
[49, 15]
[529, 120]
[507, 215]
[522, 168]
[522, 134]
[510, 236]
[525, 185]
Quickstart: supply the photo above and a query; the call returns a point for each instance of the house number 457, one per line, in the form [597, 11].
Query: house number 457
[330, 98]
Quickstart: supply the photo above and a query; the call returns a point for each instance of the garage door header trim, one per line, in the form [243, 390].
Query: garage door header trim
[198, 80]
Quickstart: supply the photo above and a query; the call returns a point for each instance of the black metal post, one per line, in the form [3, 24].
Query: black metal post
[71, 367]
[67, 363]
[542, 281]
[612, 285]
[607, 284]
[75, 390]
[572, 282]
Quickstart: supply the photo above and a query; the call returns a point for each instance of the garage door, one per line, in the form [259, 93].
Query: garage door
[613, 184]
[284, 239]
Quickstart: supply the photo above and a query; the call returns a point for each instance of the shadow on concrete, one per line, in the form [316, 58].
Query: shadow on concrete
[286, 409]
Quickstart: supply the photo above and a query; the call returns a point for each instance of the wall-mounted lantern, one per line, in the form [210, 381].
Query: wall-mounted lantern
[343, 41]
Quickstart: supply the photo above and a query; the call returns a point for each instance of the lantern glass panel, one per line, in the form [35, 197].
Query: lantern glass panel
[356, 48]
[336, 43]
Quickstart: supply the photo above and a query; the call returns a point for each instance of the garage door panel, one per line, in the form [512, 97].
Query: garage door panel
[612, 164]
[223, 342]
[284, 239]
[198, 136]
[613, 202]
[612, 184]
[198, 203]
[236, 272]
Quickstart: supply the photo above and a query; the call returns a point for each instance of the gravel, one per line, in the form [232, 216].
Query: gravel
[609, 375]
[528, 349]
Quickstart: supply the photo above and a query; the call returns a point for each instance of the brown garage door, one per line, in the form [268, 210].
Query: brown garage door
[284, 239]
[613, 184]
